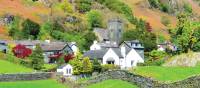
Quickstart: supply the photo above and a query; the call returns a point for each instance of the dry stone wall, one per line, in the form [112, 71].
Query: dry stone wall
[25, 76]
[143, 82]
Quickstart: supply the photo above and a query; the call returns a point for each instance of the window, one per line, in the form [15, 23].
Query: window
[66, 71]
[132, 63]
[110, 62]
[69, 71]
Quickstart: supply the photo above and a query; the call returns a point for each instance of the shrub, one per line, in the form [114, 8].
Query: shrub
[30, 29]
[84, 5]
[107, 67]
[21, 51]
[165, 20]
[94, 19]
[154, 3]
[187, 8]
[164, 7]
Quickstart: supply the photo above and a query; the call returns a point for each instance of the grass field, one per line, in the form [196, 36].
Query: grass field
[112, 84]
[32, 84]
[167, 74]
[8, 67]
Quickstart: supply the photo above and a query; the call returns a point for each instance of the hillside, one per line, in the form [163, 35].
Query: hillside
[142, 9]
[40, 13]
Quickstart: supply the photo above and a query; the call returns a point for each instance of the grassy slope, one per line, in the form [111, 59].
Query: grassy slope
[112, 84]
[8, 67]
[169, 74]
[32, 84]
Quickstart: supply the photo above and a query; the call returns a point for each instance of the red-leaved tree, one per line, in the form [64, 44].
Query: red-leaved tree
[21, 51]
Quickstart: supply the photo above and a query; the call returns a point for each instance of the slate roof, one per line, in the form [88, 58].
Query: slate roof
[98, 54]
[95, 54]
[128, 43]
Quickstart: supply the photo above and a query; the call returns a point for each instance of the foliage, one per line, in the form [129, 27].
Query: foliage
[188, 8]
[77, 64]
[148, 39]
[37, 58]
[14, 28]
[61, 60]
[30, 29]
[112, 84]
[33, 84]
[155, 58]
[86, 66]
[45, 31]
[165, 20]
[94, 19]
[186, 34]
[96, 66]
[154, 3]
[84, 5]
[66, 6]
[107, 67]
[21, 51]
[169, 74]
[89, 38]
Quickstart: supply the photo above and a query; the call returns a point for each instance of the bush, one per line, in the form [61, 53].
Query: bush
[30, 29]
[84, 5]
[188, 8]
[154, 3]
[165, 20]
[107, 67]
[95, 19]
[164, 7]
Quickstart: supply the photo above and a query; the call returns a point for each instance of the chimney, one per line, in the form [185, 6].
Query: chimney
[47, 41]
[123, 51]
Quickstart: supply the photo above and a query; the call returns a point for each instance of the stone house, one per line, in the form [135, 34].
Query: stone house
[51, 49]
[65, 70]
[3, 46]
[124, 55]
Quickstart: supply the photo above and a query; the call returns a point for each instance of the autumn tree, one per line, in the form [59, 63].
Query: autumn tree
[37, 58]
[21, 51]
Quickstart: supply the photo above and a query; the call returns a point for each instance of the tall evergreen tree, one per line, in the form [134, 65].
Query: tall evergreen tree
[37, 58]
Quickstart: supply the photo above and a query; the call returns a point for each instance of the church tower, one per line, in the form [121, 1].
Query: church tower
[115, 27]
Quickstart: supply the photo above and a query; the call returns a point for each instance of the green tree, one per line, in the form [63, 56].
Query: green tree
[61, 60]
[37, 58]
[89, 38]
[30, 29]
[77, 64]
[186, 34]
[94, 19]
[45, 30]
[96, 66]
[86, 66]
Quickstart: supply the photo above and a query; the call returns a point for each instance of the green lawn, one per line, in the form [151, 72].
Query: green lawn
[112, 84]
[8, 67]
[168, 74]
[32, 84]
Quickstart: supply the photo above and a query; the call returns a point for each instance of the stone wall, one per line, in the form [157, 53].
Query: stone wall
[25, 76]
[143, 82]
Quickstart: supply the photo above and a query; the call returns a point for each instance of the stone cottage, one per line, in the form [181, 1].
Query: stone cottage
[126, 55]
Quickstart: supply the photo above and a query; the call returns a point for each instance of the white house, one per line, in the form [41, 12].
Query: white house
[124, 55]
[65, 70]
